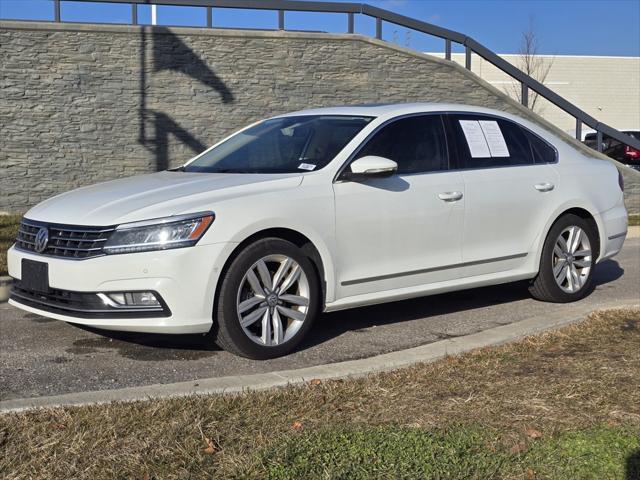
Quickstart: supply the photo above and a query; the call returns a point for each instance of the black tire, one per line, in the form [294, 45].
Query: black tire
[227, 331]
[544, 287]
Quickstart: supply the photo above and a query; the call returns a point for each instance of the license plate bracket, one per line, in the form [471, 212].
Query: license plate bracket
[35, 276]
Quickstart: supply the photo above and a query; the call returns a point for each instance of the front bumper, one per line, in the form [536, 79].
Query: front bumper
[185, 279]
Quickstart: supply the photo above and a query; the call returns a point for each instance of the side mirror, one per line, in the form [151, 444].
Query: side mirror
[370, 166]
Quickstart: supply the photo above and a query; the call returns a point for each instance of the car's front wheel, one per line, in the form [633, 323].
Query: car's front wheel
[568, 260]
[268, 299]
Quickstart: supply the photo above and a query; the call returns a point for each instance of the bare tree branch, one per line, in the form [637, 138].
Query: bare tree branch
[531, 63]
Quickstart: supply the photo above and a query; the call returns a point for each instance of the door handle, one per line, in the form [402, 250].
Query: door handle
[544, 187]
[450, 196]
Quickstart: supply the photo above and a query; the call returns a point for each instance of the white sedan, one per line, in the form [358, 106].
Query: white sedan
[323, 210]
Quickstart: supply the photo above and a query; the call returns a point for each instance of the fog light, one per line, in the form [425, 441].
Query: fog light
[129, 299]
[118, 298]
[142, 298]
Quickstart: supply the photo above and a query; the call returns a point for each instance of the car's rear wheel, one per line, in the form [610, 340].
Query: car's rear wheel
[268, 299]
[567, 262]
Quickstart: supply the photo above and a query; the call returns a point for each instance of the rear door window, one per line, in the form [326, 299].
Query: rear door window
[483, 141]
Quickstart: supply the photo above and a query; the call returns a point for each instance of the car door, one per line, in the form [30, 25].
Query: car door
[400, 231]
[510, 189]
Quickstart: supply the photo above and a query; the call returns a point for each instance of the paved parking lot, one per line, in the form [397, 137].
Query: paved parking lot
[39, 356]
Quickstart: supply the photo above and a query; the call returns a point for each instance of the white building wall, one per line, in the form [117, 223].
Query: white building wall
[607, 88]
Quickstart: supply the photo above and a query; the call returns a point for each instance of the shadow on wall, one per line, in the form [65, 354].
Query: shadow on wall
[170, 53]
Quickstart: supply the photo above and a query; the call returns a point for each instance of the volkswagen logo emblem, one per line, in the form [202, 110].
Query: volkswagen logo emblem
[42, 240]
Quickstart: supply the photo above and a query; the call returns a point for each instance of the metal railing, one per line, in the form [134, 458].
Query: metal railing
[380, 15]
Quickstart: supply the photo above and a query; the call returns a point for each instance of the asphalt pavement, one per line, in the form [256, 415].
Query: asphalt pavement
[40, 356]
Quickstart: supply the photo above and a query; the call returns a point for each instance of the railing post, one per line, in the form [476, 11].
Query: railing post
[467, 57]
[350, 22]
[56, 11]
[524, 97]
[280, 19]
[447, 49]
[599, 140]
[209, 17]
[134, 13]
[378, 28]
[578, 129]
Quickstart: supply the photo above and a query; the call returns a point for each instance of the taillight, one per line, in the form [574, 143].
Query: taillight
[631, 152]
[621, 181]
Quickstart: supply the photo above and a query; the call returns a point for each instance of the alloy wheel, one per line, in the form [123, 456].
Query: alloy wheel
[572, 259]
[273, 300]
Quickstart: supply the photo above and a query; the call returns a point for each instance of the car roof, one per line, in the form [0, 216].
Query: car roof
[395, 109]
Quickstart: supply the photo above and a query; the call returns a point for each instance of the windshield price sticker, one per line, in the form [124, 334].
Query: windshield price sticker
[306, 166]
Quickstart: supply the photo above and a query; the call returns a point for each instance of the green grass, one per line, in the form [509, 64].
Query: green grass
[594, 454]
[8, 230]
[459, 452]
[386, 453]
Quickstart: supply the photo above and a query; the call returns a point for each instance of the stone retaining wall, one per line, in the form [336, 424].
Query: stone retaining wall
[80, 104]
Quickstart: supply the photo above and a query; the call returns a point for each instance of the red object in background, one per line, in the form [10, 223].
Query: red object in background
[631, 152]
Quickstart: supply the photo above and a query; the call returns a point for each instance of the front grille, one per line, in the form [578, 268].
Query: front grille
[69, 241]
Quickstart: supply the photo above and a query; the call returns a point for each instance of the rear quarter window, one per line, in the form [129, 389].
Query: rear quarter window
[542, 151]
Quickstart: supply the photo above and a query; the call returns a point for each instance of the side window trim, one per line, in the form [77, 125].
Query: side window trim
[357, 150]
[454, 155]
[454, 161]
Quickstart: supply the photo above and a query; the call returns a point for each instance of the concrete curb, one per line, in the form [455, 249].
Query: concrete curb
[633, 232]
[566, 315]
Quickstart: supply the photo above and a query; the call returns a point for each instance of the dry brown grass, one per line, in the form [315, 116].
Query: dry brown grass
[577, 378]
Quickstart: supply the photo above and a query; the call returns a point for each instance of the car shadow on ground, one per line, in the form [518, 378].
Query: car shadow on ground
[331, 325]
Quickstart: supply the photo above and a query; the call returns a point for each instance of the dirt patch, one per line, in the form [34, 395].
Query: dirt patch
[59, 360]
[38, 319]
[138, 352]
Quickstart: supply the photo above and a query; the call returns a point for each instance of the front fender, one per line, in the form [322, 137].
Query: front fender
[322, 242]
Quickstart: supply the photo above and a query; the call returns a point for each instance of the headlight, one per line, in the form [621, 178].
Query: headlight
[159, 234]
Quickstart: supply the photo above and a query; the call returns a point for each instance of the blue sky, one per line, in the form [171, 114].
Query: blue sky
[564, 27]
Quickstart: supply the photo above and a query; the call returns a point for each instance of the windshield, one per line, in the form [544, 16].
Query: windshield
[281, 145]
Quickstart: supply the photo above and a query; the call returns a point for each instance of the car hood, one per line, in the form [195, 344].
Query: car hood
[153, 196]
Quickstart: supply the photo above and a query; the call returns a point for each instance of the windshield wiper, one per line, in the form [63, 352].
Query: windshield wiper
[233, 170]
[228, 170]
[176, 169]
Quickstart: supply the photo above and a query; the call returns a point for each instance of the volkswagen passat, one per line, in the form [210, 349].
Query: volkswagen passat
[323, 210]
